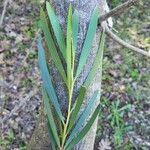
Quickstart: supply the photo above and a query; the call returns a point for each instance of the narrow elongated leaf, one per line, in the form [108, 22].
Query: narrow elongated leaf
[77, 107]
[50, 117]
[53, 142]
[75, 24]
[51, 46]
[57, 29]
[88, 41]
[47, 78]
[84, 131]
[97, 62]
[84, 116]
[69, 46]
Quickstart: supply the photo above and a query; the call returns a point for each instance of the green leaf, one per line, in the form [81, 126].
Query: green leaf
[84, 131]
[88, 41]
[57, 29]
[84, 116]
[51, 46]
[53, 142]
[69, 47]
[47, 78]
[97, 62]
[77, 107]
[75, 24]
[50, 117]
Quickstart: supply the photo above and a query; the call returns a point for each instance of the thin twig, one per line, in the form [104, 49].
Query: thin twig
[3, 13]
[123, 43]
[117, 10]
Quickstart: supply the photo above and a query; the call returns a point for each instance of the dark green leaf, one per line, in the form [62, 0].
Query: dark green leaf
[51, 46]
[84, 116]
[84, 131]
[57, 29]
[77, 107]
[97, 62]
[53, 142]
[47, 78]
[88, 41]
[50, 117]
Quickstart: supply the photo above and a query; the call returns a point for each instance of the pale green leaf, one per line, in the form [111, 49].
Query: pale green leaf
[69, 45]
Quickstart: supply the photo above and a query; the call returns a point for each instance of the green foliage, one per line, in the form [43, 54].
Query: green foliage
[117, 122]
[66, 133]
[88, 41]
[134, 73]
[8, 139]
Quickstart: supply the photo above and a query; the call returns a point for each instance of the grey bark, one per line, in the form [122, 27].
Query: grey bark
[85, 8]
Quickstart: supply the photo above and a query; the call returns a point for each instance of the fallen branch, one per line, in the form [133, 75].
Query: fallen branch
[3, 12]
[117, 10]
[123, 43]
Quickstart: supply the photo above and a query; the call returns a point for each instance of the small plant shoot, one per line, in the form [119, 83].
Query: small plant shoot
[66, 131]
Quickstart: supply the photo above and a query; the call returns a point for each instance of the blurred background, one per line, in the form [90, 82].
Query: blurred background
[124, 122]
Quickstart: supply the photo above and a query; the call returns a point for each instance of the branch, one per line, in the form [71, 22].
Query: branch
[123, 43]
[3, 13]
[117, 10]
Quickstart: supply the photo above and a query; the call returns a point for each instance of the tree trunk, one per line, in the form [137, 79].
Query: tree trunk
[85, 8]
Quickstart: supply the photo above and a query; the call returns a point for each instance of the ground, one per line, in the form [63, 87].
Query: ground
[125, 103]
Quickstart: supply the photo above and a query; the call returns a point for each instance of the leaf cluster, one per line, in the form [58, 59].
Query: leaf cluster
[66, 132]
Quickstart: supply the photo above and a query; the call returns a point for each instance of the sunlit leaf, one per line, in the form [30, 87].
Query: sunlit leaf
[69, 46]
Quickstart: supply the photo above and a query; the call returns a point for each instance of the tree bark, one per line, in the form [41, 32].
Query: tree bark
[84, 8]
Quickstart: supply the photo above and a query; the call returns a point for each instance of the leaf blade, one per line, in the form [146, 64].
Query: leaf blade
[53, 142]
[77, 107]
[47, 78]
[51, 46]
[69, 46]
[50, 117]
[97, 61]
[84, 130]
[88, 41]
[75, 24]
[84, 116]
[57, 29]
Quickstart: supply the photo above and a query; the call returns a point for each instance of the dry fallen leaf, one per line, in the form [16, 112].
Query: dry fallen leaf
[104, 144]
